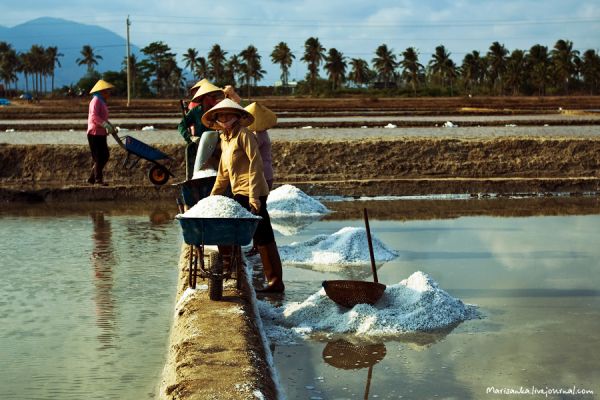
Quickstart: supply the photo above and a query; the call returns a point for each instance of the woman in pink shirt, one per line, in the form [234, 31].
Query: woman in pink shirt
[98, 129]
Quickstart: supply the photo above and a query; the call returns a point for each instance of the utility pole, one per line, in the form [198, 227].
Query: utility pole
[128, 66]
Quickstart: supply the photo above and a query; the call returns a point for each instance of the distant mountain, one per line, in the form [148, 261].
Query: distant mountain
[69, 37]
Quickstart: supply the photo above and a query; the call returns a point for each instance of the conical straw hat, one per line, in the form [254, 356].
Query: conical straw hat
[101, 85]
[263, 117]
[227, 105]
[199, 83]
[205, 88]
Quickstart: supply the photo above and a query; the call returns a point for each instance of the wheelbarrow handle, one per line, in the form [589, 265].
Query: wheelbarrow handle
[373, 268]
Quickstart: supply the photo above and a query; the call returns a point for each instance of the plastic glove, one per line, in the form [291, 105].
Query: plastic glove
[109, 127]
[254, 205]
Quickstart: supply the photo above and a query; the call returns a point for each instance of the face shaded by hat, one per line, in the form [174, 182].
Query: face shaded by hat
[100, 86]
[263, 117]
[227, 106]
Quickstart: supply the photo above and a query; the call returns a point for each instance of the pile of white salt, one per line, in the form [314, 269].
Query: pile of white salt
[288, 200]
[217, 207]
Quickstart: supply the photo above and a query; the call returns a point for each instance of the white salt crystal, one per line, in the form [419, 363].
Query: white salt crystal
[288, 200]
[148, 128]
[348, 246]
[390, 126]
[217, 207]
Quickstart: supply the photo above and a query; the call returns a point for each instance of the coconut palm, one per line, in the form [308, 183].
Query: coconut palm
[202, 67]
[335, 64]
[590, 70]
[360, 73]
[233, 69]
[564, 60]
[283, 56]
[88, 58]
[385, 64]
[314, 55]
[251, 67]
[442, 68]
[411, 68]
[515, 71]
[539, 67]
[9, 64]
[496, 61]
[53, 56]
[472, 70]
[191, 61]
[216, 62]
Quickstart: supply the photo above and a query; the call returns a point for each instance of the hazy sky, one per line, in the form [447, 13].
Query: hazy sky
[356, 28]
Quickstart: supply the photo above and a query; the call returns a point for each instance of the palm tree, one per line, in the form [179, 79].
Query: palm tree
[191, 61]
[37, 61]
[496, 60]
[442, 68]
[283, 56]
[538, 63]
[202, 67]
[360, 73]
[53, 56]
[515, 71]
[385, 63]
[564, 59]
[88, 58]
[216, 61]
[412, 69]
[472, 70]
[335, 64]
[233, 69]
[314, 55]
[251, 67]
[590, 70]
[9, 64]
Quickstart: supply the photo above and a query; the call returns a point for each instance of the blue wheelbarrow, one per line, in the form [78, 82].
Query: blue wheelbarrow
[158, 173]
[227, 233]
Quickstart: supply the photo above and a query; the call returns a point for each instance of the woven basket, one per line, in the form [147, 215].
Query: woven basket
[350, 293]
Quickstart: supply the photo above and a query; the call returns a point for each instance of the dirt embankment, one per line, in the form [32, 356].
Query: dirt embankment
[366, 167]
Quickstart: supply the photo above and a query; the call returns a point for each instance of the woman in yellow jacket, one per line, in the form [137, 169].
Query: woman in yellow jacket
[241, 166]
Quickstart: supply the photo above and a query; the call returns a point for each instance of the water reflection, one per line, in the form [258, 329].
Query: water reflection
[292, 225]
[343, 354]
[103, 262]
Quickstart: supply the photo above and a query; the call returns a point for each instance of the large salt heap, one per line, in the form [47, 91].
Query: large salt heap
[288, 200]
[416, 304]
[348, 246]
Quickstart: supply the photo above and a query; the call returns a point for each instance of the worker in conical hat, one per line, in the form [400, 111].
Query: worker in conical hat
[241, 167]
[99, 128]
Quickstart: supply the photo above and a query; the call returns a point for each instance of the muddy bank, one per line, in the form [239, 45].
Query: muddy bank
[215, 349]
[363, 167]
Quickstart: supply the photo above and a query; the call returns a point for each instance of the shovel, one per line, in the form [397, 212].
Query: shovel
[350, 293]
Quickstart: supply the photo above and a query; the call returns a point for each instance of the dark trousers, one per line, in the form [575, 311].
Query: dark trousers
[264, 232]
[100, 154]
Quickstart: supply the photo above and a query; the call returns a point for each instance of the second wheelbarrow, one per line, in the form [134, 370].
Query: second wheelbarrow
[158, 174]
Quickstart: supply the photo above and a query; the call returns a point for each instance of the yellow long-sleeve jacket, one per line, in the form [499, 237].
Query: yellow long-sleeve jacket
[241, 166]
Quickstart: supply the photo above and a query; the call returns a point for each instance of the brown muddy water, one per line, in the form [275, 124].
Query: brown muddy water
[536, 281]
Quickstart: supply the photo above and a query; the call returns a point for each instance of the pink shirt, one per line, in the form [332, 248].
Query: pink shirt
[264, 146]
[97, 115]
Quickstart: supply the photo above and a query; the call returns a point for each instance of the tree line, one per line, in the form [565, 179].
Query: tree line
[537, 71]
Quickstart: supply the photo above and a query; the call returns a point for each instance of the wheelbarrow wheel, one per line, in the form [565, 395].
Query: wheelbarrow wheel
[215, 280]
[158, 175]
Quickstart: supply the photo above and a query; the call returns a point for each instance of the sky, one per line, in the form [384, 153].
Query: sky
[355, 28]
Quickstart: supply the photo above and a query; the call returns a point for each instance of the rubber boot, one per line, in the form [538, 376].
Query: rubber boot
[225, 253]
[269, 255]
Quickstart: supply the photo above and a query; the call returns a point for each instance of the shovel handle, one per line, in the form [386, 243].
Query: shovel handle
[370, 246]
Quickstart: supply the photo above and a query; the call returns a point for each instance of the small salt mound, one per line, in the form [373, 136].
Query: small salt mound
[288, 200]
[9, 130]
[217, 207]
[307, 127]
[390, 126]
[204, 173]
[416, 304]
[119, 129]
[348, 246]
[449, 124]
[148, 128]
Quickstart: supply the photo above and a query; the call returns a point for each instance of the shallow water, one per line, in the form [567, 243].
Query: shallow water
[536, 280]
[87, 302]
[172, 136]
